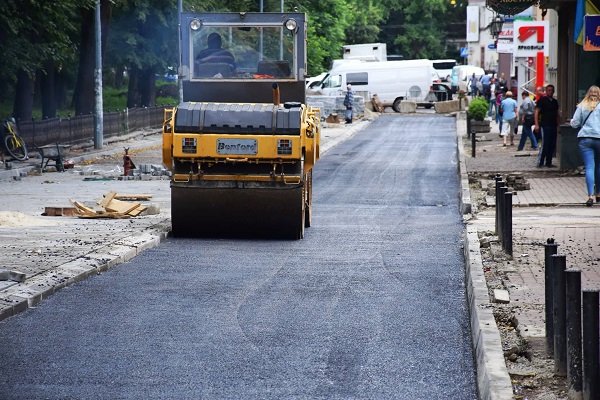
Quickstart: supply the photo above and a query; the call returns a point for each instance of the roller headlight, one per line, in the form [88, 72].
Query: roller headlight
[195, 24]
[291, 25]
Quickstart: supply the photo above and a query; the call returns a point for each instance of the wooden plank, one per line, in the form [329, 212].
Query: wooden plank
[106, 199]
[105, 215]
[82, 208]
[60, 211]
[120, 206]
[137, 211]
[133, 196]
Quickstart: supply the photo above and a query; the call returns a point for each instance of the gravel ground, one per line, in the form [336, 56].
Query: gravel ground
[531, 371]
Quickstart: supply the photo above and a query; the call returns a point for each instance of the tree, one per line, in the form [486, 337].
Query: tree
[84, 95]
[332, 17]
[364, 25]
[36, 36]
[413, 30]
[144, 41]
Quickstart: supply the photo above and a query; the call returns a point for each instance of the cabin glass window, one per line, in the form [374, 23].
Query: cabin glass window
[333, 81]
[357, 78]
[242, 52]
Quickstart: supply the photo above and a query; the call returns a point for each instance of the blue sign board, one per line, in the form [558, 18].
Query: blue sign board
[464, 52]
[492, 46]
[591, 37]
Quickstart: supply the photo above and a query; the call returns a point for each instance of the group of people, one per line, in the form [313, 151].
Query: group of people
[540, 118]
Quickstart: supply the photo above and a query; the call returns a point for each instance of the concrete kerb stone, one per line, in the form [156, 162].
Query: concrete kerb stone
[493, 380]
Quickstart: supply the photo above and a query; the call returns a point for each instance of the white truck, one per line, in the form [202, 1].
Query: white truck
[365, 52]
[391, 81]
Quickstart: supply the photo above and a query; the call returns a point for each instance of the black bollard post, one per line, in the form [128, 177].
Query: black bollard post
[507, 227]
[500, 211]
[473, 142]
[468, 127]
[498, 182]
[591, 336]
[573, 324]
[559, 314]
[550, 248]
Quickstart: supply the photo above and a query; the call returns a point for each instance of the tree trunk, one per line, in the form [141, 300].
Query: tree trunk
[84, 97]
[133, 95]
[48, 89]
[147, 85]
[23, 105]
[119, 76]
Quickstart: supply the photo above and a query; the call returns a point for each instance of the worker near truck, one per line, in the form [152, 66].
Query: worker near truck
[348, 103]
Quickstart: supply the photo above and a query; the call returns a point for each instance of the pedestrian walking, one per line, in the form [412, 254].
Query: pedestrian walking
[486, 81]
[348, 103]
[526, 111]
[498, 100]
[547, 119]
[587, 118]
[492, 98]
[510, 115]
[473, 85]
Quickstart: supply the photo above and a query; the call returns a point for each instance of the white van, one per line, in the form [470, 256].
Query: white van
[461, 74]
[392, 81]
[444, 68]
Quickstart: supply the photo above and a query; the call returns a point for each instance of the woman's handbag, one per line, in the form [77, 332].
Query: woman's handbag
[528, 119]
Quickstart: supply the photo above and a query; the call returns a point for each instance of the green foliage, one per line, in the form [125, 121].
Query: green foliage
[419, 29]
[478, 109]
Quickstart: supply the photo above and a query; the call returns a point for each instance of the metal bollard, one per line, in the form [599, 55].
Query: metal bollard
[507, 243]
[468, 127]
[499, 211]
[559, 314]
[550, 248]
[498, 183]
[591, 336]
[573, 325]
[473, 142]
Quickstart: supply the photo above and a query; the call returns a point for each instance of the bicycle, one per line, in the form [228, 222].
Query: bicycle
[11, 141]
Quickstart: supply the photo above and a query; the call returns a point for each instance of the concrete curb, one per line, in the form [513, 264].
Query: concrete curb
[493, 380]
[20, 297]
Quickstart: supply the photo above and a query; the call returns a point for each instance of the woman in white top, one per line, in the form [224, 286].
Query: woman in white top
[587, 117]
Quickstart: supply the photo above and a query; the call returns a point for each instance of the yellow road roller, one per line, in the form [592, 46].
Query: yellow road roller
[242, 145]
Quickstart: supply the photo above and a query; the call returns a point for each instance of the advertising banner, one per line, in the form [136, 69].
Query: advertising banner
[472, 23]
[530, 37]
[591, 40]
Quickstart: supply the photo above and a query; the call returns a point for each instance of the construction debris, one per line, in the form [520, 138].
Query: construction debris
[112, 207]
[60, 211]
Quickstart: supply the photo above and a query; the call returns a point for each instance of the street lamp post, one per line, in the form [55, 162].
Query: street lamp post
[496, 26]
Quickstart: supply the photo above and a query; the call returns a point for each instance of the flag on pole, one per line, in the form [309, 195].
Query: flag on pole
[583, 7]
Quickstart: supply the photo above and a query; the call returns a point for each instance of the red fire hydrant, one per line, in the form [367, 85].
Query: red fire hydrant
[128, 165]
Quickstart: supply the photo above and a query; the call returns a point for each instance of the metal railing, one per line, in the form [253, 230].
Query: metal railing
[78, 129]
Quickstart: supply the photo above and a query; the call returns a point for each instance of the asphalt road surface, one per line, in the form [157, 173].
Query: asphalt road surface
[370, 305]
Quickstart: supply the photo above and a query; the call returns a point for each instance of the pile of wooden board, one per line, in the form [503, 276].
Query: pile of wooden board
[113, 205]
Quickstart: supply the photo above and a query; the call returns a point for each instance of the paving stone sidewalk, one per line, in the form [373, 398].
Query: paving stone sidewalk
[552, 208]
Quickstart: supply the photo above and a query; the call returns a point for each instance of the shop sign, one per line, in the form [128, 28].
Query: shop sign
[591, 38]
[530, 38]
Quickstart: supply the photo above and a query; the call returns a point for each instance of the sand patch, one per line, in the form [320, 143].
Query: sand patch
[15, 219]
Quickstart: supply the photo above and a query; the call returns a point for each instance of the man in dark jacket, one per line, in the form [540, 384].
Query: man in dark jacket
[547, 119]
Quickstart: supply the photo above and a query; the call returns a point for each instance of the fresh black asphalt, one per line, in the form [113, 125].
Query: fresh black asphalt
[370, 305]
